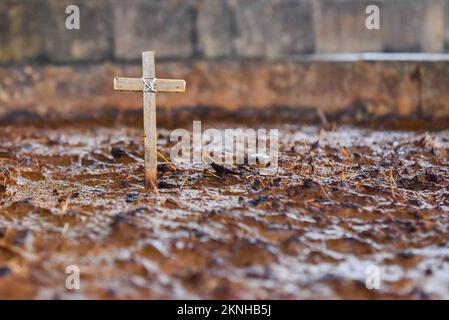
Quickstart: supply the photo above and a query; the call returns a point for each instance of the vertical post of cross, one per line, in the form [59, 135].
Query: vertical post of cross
[149, 123]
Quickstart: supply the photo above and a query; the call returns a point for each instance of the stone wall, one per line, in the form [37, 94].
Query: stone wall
[233, 53]
[118, 30]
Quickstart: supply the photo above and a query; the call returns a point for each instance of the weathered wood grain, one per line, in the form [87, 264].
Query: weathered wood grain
[162, 85]
[149, 123]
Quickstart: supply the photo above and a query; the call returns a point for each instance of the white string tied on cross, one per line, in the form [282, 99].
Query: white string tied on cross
[149, 87]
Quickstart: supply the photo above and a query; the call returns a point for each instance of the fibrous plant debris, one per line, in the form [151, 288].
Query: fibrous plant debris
[73, 195]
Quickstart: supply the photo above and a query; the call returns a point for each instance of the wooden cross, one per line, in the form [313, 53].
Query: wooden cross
[150, 85]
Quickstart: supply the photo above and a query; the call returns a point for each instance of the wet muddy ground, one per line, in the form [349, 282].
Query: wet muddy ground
[342, 200]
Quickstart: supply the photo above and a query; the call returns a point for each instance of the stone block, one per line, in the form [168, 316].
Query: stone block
[446, 25]
[413, 25]
[273, 28]
[167, 27]
[216, 28]
[20, 30]
[90, 43]
[340, 26]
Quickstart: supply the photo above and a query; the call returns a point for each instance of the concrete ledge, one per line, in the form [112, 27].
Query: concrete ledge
[373, 88]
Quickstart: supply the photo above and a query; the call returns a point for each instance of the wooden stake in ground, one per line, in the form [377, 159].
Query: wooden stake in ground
[150, 85]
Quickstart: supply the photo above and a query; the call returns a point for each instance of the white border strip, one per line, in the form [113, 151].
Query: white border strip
[374, 56]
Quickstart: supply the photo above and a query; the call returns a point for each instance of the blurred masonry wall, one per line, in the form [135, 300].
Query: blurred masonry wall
[34, 30]
[269, 46]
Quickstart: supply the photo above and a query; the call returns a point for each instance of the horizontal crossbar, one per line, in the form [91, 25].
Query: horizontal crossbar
[162, 85]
